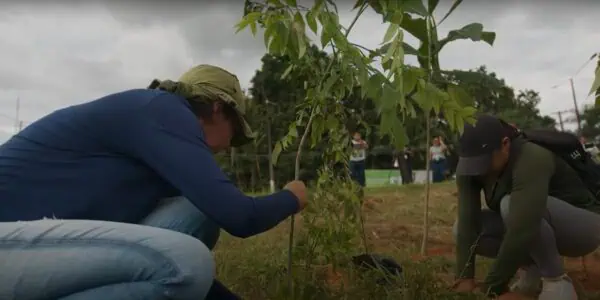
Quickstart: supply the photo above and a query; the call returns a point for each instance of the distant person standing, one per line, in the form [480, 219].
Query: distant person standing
[404, 161]
[437, 156]
[357, 159]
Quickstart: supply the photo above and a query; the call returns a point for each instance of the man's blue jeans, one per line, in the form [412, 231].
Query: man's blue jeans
[439, 170]
[357, 172]
[168, 258]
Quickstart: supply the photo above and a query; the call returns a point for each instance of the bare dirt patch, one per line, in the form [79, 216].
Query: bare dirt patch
[405, 230]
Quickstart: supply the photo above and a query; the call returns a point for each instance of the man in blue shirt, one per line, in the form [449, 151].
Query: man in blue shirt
[121, 197]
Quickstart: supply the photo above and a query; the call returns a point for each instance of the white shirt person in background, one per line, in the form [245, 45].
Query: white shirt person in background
[437, 153]
[357, 159]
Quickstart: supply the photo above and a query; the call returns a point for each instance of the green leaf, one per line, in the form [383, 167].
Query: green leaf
[432, 5]
[375, 85]
[408, 50]
[299, 28]
[318, 6]
[473, 31]
[398, 56]
[388, 100]
[468, 111]
[452, 8]
[390, 33]
[276, 152]
[291, 3]
[415, 6]
[312, 23]
[410, 77]
[417, 27]
[293, 131]
[449, 115]
[438, 101]
[459, 95]
[328, 31]
[287, 71]
[391, 50]
[332, 122]
[299, 22]
[268, 35]
[332, 3]
[283, 32]
[329, 82]
[358, 4]
[363, 81]
[429, 97]
[247, 20]
[399, 134]
[301, 44]
[460, 125]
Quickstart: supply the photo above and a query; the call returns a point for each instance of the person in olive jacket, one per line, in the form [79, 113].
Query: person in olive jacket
[539, 210]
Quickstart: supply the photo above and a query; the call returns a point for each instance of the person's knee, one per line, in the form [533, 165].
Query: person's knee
[179, 214]
[195, 269]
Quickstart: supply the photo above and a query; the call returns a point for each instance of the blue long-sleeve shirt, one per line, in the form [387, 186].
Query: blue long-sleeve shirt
[114, 158]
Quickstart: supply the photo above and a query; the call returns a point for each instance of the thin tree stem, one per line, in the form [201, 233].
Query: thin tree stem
[429, 67]
[299, 155]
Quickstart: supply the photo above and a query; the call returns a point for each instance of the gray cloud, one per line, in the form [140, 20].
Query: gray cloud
[56, 55]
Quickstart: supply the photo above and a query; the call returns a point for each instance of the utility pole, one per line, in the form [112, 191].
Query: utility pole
[560, 121]
[575, 103]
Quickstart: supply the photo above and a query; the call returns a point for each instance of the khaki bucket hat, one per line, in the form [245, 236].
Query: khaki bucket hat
[208, 81]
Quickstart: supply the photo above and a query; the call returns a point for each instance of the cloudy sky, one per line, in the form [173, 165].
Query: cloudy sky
[55, 55]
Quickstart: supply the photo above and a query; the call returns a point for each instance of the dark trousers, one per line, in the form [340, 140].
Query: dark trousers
[405, 170]
[357, 172]
[565, 230]
[439, 170]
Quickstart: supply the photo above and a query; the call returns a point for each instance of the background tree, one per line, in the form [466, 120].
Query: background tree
[590, 118]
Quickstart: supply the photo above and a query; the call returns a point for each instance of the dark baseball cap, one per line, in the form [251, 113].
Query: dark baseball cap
[477, 144]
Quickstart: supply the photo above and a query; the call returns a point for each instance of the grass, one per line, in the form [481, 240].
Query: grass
[255, 268]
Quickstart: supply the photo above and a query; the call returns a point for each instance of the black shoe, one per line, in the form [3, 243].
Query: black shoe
[219, 292]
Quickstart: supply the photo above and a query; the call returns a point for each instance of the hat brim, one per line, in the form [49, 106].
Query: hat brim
[244, 134]
[473, 166]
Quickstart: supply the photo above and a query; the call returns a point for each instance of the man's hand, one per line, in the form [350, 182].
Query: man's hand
[465, 286]
[298, 188]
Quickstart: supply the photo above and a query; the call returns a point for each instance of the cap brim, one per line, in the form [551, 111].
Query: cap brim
[473, 166]
[244, 134]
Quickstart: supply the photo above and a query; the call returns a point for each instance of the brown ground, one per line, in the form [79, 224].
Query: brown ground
[405, 231]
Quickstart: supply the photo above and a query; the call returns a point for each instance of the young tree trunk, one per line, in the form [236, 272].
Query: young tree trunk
[427, 187]
[270, 151]
[293, 218]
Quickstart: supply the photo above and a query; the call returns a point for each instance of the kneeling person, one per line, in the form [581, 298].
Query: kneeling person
[539, 210]
[122, 198]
